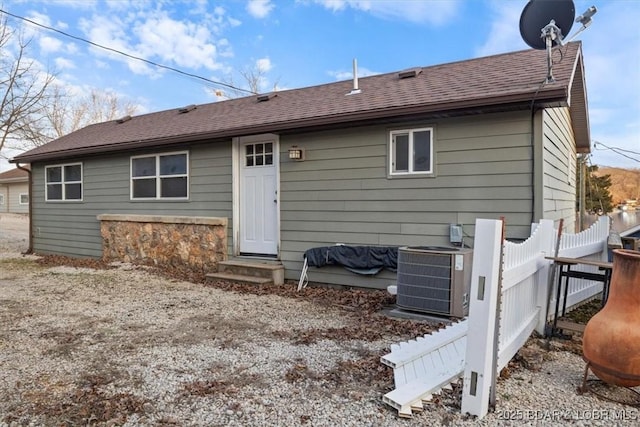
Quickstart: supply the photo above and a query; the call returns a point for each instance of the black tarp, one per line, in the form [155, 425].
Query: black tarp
[358, 259]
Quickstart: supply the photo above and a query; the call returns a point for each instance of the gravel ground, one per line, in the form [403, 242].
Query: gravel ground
[13, 233]
[130, 346]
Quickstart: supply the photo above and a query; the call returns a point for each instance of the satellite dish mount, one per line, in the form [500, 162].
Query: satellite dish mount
[544, 23]
[551, 33]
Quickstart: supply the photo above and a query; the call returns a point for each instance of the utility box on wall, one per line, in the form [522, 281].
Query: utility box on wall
[434, 280]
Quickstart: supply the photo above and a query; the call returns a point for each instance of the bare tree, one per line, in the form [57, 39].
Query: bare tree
[253, 79]
[23, 85]
[65, 113]
[35, 108]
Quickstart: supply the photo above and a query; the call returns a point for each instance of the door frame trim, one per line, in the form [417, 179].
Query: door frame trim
[236, 154]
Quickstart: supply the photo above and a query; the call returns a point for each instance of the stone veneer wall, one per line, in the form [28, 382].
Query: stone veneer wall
[175, 241]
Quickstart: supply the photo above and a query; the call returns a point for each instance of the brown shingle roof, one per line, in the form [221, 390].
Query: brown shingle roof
[494, 83]
[14, 175]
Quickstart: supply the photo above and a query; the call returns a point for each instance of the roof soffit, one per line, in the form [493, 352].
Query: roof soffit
[578, 106]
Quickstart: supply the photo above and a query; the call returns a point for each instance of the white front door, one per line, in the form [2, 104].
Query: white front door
[258, 197]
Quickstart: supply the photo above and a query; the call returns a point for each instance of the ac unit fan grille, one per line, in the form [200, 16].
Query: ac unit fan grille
[424, 281]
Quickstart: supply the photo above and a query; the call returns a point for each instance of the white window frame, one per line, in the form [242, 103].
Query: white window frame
[410, 132]
[20, 198]
[64, 182]
[157, 176]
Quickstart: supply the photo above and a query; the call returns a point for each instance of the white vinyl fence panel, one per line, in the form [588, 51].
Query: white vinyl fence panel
[424, 366]
[588, 244]
[524, 287]
[523, 277]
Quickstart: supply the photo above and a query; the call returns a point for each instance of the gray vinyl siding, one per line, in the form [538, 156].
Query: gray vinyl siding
[559, 166]
[71, 228]
[4, 201]
[341, 192]
[11, 192]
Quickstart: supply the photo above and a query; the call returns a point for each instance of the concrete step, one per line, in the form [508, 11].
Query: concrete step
[272, 270]
[239, 278]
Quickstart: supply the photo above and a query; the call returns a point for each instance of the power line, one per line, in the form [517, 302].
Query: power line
[119, 52]
[617, 150]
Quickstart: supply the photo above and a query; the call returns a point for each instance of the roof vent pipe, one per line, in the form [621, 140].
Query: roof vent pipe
[355, 74]
[355, 78]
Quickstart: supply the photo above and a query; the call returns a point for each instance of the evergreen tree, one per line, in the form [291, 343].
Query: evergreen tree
[597, 195]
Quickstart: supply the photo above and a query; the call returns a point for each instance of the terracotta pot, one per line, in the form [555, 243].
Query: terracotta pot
[611, 341]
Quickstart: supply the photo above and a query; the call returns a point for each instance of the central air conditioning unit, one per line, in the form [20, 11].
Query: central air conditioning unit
[434, 280]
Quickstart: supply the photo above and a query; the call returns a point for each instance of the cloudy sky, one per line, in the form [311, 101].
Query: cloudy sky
[297, 43]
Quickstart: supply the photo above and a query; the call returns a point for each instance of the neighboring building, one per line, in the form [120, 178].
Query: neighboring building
[394, 162]
[14, 191]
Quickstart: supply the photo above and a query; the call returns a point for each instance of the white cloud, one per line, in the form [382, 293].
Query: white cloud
[200, 7]
[49, 44]
[60, 25]
[224, 49]
[75, 4]
[234, 22]
[40, 18]
[103, 65]
[221, 17]
[152, 34]
[47, 41]
[334, 5]
[348, 75]
[123, 5]
[504, 33]
[108, 31]
[184, 43]
[64, 64]
[259, 8]
[71, 48]
[33, 31]
[264, 65]
[418, 11]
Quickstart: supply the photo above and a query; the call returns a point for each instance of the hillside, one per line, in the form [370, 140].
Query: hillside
[625, 183]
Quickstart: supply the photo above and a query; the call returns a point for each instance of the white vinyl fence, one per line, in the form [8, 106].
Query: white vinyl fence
[590, 244]
[514, 277]
[424, 366]
[523, 297]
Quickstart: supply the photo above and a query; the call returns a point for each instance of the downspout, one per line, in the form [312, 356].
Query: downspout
[533, 165]
[532, 117]
[28, 171]
[583, 191]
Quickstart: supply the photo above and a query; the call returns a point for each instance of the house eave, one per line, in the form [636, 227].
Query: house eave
[502, 103]
[13, 181]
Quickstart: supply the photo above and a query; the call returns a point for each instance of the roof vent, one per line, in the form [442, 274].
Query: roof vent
[123, 119]
[407, 74]
[265, 97]
[355, 89]
[187, 109]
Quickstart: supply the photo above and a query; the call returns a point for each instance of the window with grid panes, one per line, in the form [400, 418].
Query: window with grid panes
[160, 176]
[63, 182]
[259, 154]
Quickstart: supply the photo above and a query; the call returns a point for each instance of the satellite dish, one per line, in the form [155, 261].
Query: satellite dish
[539, 14]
